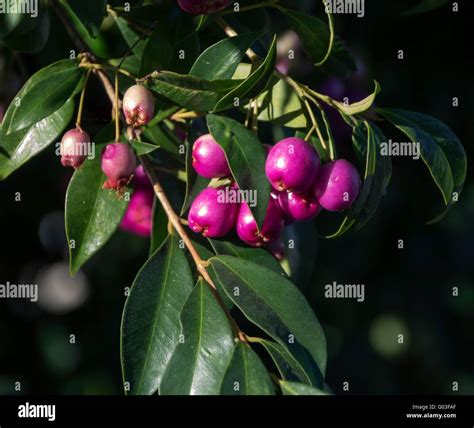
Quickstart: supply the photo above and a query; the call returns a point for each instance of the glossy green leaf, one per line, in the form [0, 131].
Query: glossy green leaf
[440, 148]
[315, 37]
[90, 13]
[255, 83]
[246, 157]
[220, 60]
[42, 95]
[200, 360]
[157, 51]
[92, 213]
[360, 106]
[246, 374]
[19, 147]
[231, 246]
[189, 91]
[295, 388]
[142, 148]
[367, 139]
[281, 105]
[275, 305]
[289, 368]
[151, 324]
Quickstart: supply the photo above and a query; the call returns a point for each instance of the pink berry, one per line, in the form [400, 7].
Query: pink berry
[138, 105]
[118, 163]
[202, 7]
[299, 206]
[211, 215]
[337, 185]
[209, 158]
[247, 228]
[292, 164]
[74, 147]
[137, 218]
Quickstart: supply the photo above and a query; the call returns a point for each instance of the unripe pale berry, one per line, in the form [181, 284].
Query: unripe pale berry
[337, 185]
[202, 7]
[138, 105]
[299, 206]
[209, 158]
[292, 164]
[74, 147]
[118, 163]
[210, 215]
[247, 228]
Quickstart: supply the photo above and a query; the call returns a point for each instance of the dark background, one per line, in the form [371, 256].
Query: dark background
[408, 291]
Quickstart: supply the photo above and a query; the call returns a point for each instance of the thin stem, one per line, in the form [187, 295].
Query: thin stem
[116, 104]
[310, 133]
[315, 123]
[175, 220]
[81, 101]
[254, 105]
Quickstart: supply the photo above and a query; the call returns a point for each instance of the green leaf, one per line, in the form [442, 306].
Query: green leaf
[367, 139]
[294, 388]
[280, 104]
[190, 92]
[200, 361]
[159, 231]
[19, 147]
[315, 37]
[90, 13]
[246, 157]
[220, 60]
[92, 213]
[157, 51]
[142, 148]
[360, 106]
[150, 323]
[160, 138]
[42, 95]
[29, 34]
[246, 374]
[275, 305]
[9, 21]
[440, 148]
[231, 246]
[289, 368]
[253, 84]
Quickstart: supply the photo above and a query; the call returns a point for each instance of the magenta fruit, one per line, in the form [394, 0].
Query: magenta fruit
[74, 147]
[292, 164]
[209, 158]
[337, 185]
[210, 215]
[247, 228]
[202, 7]
[299, 206]
[138, 105]
[118, 163]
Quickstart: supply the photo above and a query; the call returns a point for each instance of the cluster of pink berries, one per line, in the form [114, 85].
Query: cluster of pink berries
[118, 159]
[301, 189]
